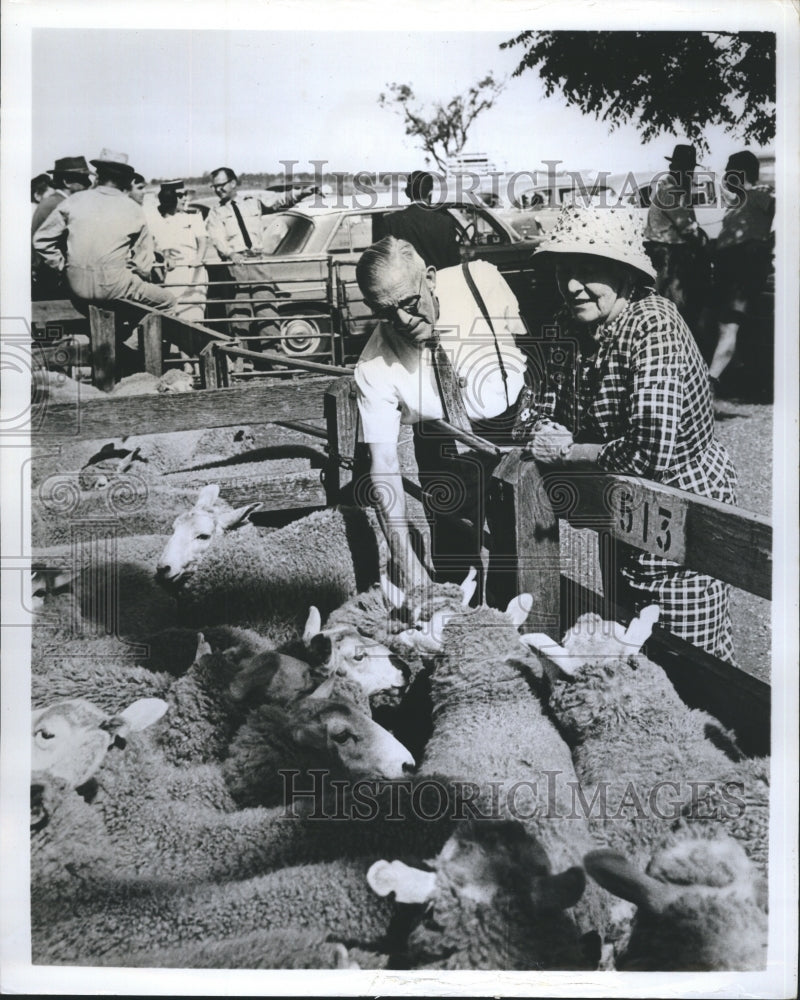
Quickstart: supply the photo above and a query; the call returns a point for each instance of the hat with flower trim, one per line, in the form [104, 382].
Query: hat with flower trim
[613, 233]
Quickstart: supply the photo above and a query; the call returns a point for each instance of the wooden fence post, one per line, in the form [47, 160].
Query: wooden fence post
[341, 418]
[152, 344]
[525, 547]
[103, 327]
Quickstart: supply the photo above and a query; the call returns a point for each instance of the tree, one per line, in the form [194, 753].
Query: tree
[661, 81]
[441, 130]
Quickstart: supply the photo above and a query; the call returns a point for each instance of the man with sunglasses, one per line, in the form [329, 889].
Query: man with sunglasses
[458, 325]
[236, 229]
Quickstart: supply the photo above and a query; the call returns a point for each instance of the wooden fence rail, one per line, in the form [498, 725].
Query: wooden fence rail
[524, 509]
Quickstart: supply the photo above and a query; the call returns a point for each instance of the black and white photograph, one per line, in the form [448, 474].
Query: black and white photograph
[399, 452]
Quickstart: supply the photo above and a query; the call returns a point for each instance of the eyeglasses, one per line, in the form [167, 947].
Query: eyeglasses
[409, 305]
[218, 187]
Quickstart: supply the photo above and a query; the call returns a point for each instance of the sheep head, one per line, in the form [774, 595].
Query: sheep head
[268, 676]
[71, 738]
[490, 876]
[701, 906]
[431, 611]
[341, 649]
[193, 532]
[333, 728]
[591, 640]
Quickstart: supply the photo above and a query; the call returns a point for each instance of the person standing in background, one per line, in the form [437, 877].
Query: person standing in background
[742, 263]
[180, 238]
[109, 249]
[674, 241]
[236, 229]
[433, 232]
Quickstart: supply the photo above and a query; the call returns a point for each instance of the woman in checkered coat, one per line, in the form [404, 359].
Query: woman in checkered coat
[639, 404]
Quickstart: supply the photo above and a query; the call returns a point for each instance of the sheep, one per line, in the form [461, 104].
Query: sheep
[322, 730]
[637, 748]
[284, 948]
[113, 578]
[71, 738]
[142, 795]
[701, 905]
[492, 903]
[490, 732]
[115, 922]
[222, 570]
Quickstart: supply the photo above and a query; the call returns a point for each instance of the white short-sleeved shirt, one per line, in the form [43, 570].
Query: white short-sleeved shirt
[395, 379]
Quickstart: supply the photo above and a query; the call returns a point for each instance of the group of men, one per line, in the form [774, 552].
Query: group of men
[93, 241]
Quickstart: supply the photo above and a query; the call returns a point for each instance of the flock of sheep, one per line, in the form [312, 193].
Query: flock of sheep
[281, 761]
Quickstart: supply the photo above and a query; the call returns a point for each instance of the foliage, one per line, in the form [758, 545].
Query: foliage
[442, 129]
[661, 81]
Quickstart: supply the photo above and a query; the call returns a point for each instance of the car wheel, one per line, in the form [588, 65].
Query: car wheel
[301, 337]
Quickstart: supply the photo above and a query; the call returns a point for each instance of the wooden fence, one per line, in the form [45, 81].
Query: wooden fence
[728, 543]
[526, 505]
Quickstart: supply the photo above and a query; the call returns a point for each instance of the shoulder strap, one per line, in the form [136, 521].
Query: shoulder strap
[482, 306]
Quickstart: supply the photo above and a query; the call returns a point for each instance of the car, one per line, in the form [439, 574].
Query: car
[314, 246]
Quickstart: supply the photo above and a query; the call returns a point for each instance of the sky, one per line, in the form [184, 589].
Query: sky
[182, 102]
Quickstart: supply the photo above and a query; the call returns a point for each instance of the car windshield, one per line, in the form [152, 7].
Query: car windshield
[286, 234]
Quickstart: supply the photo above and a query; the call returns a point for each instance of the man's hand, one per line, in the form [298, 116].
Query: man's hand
[550, 442]
[237, 258]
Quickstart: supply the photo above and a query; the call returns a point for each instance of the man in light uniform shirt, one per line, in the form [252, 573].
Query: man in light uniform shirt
[397, 383]
[236, 229]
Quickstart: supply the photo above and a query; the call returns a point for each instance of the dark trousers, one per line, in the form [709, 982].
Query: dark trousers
[455, 490]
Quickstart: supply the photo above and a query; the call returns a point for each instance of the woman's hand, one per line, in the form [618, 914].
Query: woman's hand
[550, 442]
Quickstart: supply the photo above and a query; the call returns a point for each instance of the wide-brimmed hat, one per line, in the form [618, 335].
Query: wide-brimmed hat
[115, 162]
[684, 157]
[70, 165]
[613, 233]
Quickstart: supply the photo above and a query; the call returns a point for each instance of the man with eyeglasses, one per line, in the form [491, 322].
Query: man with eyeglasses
[444, 347]
[236, 229]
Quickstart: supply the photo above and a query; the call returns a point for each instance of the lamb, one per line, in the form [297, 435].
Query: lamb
[492, 903]
[321, 730]
[119, 923]
[284, 948]
[639, 749]
[490, 732]
[222, 570]
[112, 578]
[142, 797]
[701, 905]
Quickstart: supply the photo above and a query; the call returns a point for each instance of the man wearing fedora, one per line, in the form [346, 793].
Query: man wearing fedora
[70, 175]
[673, 239]
[432, 232]
[109, 249]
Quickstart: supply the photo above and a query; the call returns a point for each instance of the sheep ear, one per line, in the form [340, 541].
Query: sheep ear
[621, 878]
[468, 585]
[519, 608]
[325, 690]
[559, 892]
[207, 497]
[313, 624]
[203, 648]
[229, 520]
[409, 885]
[142, 713]
[641, 628]
[556, 660]
[394, 595]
